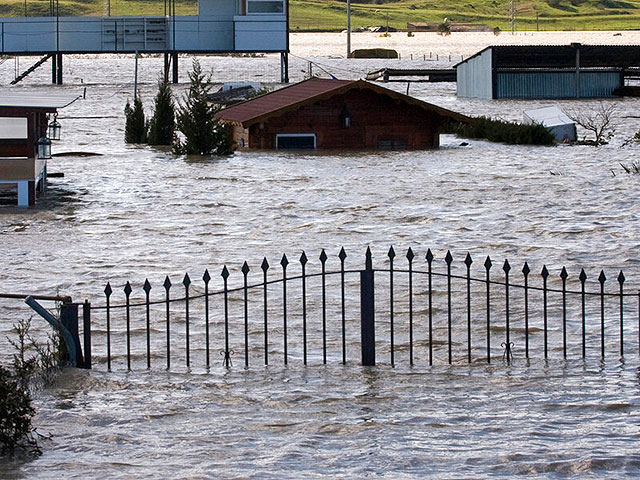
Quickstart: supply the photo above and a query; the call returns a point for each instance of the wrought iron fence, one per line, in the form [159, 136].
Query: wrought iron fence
[422, 310]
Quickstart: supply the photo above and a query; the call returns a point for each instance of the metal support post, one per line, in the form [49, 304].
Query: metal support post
[69, 320]
[367, 313]
[86, 332]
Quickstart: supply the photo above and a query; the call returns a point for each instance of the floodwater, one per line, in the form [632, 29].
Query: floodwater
[132, 213]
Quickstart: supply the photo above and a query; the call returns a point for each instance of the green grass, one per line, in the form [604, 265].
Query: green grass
[330, 15]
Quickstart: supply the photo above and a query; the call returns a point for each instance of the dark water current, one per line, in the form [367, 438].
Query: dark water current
[135, 212]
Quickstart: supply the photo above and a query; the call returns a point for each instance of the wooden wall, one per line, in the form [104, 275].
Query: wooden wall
[374, 118]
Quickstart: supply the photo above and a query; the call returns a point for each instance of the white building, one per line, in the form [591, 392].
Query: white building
[221, 26]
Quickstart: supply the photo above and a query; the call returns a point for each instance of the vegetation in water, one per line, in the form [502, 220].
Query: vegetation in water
[136, 128]
[203, 134]
[330, 15]
[596, 121]
[162, 125]
[505, 132]
[32, 361]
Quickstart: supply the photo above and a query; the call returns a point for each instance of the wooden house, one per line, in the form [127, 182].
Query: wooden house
[24, 142]
[336, 114]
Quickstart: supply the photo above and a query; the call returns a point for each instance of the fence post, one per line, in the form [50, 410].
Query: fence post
[69, 319]
[86, 332]
[367, 313]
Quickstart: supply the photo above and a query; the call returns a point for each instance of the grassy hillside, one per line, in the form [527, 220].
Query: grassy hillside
[309, 15]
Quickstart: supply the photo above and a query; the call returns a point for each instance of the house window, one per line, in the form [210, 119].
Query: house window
[399, 144]
[265, 7]
[296, 141]
[13, 128]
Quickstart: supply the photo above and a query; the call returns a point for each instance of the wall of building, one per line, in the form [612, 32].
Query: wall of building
[211, 31]
[376, 121]
[539, 85]
[474, 77]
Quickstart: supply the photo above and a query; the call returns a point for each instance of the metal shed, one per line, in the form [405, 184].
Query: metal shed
[539, 72]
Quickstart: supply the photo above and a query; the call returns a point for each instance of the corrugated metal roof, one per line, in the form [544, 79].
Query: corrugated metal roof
[309, 91]
[37, 101]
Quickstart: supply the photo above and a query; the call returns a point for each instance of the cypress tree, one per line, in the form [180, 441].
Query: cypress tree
[163, 123]
[204, 135]
[135, 130]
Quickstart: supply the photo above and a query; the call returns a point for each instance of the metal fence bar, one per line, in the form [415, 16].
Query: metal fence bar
[545, 275]
[410, 257]
[507, 343]
[245, 273]
[563, 276]
[284, 262]
[448, 259]
[391, 254]
[107, 292]
[468, 261]
[342, 255]
[621, 282]
[303, 263]
[525, 271]
[206, 278]
[583, 278]
[127, 292]
[186, 282]
[227, 353]
[429, 258]
[167, 287]
[147, 289]
[602, 278]
[265, 267]
[323, 262]
[487, 266]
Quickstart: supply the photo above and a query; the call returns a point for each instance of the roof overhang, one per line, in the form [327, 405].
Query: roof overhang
[44, 102]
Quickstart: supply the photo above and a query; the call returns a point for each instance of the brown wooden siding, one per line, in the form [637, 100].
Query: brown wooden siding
[374, 118]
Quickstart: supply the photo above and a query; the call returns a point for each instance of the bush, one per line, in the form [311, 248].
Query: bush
[163, 123]
[135, 130]
[15, 414]
[505, 132]
[204, 135]
[16, 411]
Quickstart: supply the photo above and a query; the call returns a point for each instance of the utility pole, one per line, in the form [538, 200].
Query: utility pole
[512, 16]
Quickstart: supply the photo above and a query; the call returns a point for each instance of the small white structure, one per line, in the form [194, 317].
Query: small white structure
[556, 121]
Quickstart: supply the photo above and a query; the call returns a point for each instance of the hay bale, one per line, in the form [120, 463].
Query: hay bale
[374, 53]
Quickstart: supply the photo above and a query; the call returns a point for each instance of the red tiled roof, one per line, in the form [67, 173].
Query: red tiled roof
[309, 91]
[278, 99]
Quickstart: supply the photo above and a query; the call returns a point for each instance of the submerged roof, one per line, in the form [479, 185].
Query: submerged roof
[37, 101]
[310, 91]
[548, 116]
[562, 56]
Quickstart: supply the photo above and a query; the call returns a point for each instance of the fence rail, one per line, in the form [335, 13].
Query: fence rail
[416, 309]
[432, 314]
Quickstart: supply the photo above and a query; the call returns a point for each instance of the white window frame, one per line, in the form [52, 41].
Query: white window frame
[280, 135]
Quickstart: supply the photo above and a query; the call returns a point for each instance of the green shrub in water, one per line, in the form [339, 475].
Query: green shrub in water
[505, 132]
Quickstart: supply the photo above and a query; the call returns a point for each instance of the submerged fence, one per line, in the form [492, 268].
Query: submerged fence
[414, 311]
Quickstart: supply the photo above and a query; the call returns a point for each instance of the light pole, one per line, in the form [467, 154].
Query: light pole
[348, 28]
